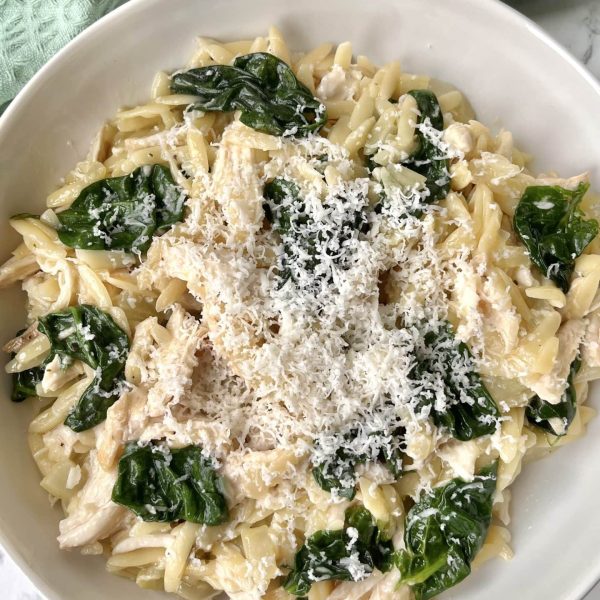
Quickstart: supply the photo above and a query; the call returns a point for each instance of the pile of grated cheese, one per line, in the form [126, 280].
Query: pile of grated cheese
[300, 362]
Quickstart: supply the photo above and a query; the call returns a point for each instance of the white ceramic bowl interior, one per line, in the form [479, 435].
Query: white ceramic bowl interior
[514, 76]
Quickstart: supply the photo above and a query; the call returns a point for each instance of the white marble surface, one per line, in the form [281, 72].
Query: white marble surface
[573, 23]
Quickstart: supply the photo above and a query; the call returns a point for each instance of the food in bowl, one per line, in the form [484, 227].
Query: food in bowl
[295, 324]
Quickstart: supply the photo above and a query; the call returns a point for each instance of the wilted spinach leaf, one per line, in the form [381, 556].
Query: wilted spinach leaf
[24, 383]
[285, 209]
[337, 472]
[426, 160]
[552, 227]
[444, 531]
[284, 206]
[303, 238]
[542, 414]
[90, 335]
[123, 213]
[348, 554]
[262, 87]
[470, 410]
[159, 484]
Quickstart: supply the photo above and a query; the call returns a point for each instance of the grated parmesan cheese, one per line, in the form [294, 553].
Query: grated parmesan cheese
[298, 364]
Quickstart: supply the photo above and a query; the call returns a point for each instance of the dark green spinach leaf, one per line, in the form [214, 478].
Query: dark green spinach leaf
[470, 410]
[123, 213]
[444, 531]
[325, 554]
[285, 209]
[552, 227]
[24, 383]
[303, 238]
[337, 472]
[426, 160]
[541, 413]
[92, 336]
[262, 87]
[164, 485]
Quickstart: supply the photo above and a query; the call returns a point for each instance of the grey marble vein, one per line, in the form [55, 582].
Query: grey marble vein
[573, 23]
[592, 24]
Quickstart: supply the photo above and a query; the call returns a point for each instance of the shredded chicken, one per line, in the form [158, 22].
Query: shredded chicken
[459, 136]
[339, 84]
[236, 185]
[175, 361]
[460, 457]
[112, 434]
[56, 377]
[94, 515]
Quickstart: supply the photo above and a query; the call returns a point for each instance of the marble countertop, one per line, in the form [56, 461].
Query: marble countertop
[573, 23]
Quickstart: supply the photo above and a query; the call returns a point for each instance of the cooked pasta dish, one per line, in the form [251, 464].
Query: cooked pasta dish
[294, 326]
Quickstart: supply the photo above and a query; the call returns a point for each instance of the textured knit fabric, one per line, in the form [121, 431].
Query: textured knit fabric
[31, 31]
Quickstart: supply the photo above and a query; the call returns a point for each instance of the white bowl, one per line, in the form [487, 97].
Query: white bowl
[514, 75]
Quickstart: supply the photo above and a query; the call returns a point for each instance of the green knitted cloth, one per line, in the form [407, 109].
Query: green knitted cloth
[31, 31]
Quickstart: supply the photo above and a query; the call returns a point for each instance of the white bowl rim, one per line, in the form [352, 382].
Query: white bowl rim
[515, 18]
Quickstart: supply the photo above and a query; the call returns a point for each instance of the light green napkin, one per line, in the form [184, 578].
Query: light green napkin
[31, 31]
